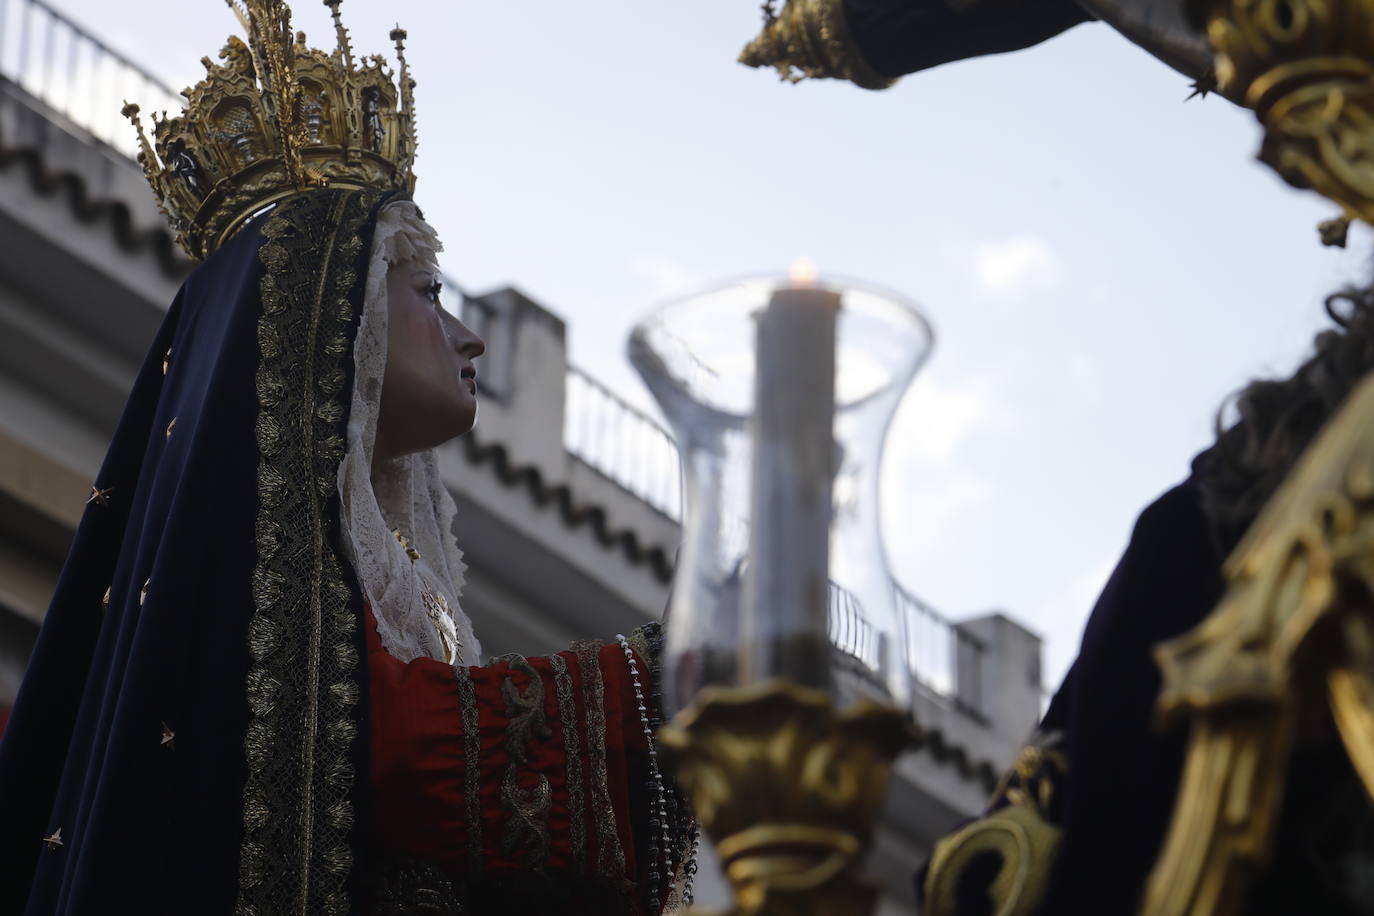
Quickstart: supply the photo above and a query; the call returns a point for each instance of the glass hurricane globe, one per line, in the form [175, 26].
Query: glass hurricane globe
[732, 619]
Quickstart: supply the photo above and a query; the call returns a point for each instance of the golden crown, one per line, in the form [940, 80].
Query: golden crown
[275, 118]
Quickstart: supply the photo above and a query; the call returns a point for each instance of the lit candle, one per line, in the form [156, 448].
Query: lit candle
[786, 590]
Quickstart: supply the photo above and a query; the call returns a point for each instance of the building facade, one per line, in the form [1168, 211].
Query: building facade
[569, 498]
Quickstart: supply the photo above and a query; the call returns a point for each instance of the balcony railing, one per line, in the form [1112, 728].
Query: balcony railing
[75, 73]
[631, 448]
[623, 443]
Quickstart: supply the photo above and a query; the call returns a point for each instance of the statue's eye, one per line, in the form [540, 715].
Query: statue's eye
[432, 292]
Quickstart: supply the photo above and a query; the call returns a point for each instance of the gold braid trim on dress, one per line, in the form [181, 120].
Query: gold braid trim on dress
[301, 685]
[472, 770]
[610, 857]
[567, 717]
[527, 826]
[811, 38]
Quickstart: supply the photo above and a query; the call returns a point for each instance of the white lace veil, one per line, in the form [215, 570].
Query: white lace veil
[405, 493]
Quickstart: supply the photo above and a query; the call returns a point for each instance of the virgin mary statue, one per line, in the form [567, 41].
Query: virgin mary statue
[255, 690]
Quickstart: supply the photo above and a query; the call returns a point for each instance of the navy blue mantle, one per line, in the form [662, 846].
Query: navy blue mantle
[123, 769]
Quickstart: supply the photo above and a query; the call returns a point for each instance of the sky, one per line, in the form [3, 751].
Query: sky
[1102, 262]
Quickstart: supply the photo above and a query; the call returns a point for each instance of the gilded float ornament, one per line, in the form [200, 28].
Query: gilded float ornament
[1289, 648]
[1306, 67]
[789, 789]
[1018, 833]
[811, 39]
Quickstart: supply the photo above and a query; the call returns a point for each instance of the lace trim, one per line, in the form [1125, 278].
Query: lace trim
[567, 716]
[301, 687]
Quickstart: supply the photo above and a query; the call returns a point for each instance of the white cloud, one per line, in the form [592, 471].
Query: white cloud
[1006, 267]
[928, 484]
[933, 508]
[1083, 590]
[939, 417]
[667, 277]
[1062, 621]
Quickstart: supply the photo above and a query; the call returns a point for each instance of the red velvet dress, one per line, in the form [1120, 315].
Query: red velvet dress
[521, 783]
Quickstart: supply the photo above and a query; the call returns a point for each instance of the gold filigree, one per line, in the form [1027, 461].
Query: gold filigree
[811, 39]
[1018, 830]
[527, 827]
[276, 117]
[610, 856]
[1306, 67]
[301, 687]
[472, 770]
[567, 718]
[789, 789]
[1291, 639]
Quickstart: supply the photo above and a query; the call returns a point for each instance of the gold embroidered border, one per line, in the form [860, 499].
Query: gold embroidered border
[472, 771]
[410, 887]
[610, 857]
[527, 827]
[567, 715]
[301, 685]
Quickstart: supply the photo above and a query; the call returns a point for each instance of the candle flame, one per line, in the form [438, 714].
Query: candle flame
[803, 272]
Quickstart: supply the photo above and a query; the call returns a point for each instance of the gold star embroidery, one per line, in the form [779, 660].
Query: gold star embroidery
[169, 738]
[166, 360]
[54, 841]
[169, 427]
[99, 497]
[105, 602]
[143, 592]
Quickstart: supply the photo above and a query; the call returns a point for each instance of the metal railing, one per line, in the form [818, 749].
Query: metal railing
[631, 448]
[623, 443]
[75, 73]
[943, 658]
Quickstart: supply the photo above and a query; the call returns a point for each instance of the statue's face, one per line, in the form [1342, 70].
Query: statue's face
[429, 391]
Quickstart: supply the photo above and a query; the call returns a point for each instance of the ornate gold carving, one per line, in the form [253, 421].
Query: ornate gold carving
[527, 826]
[789, 788]
[302, 686]
[1307, 69]
[274, 118]
[610, 856]
[811, 38]
[472, 770]
[1293, 637]
[1018, 831]
[567, 719]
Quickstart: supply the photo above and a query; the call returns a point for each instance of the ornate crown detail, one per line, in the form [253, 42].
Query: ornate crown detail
[1306, 67]
[275, 118]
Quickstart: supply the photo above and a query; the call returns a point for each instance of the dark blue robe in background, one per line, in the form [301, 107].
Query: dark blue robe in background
[129, 732]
